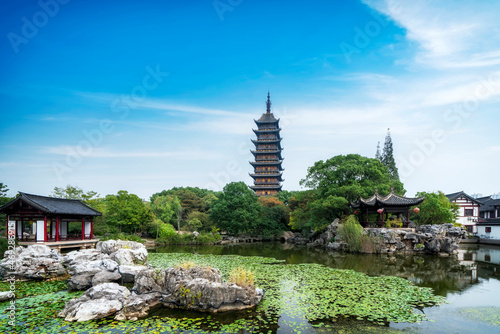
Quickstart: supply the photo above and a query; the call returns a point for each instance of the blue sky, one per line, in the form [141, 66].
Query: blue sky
[144, 96]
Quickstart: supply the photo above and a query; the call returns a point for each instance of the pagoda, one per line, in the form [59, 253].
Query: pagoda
[267, 165]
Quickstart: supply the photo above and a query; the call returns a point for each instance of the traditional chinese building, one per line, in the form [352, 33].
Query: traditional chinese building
[267, 165]
[384, 205]
[47, 220]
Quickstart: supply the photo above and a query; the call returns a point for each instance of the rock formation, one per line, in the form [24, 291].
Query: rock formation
[32, 262]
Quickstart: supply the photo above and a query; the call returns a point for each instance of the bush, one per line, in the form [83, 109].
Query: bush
[351, 232]
[166, 230]
[242, 277]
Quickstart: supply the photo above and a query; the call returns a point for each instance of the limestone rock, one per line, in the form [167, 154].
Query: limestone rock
[6, 295]
[128, 273]
[130, 257]
[106, 277]
[32, 262]
[98, 302]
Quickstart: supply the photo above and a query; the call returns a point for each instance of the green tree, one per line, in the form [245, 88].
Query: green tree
[378, 156]
[387, 157]
[128, 213]
[165, 209]
[206, 224]
[435, 209]
[73, 192]
[274, 217]
[236, 210]
[3, 190]
[337, 182]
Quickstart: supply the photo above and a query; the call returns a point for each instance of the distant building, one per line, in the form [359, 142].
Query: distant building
[468, 215]
[490, 208]
[267, 165]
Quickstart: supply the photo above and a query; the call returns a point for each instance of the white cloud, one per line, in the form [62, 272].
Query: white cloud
[451, 34]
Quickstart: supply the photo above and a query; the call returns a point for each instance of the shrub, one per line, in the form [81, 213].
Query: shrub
[186, 265]
[351, 232]
[242, 277]
[166, 230]
[394, 223]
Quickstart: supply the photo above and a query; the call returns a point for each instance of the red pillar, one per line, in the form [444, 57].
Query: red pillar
[83, 229]
[45, 229]
[91, 228]
[57, 229]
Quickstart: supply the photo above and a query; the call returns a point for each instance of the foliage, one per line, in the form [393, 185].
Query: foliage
[193, 224]
[3, 190]
[186, 265]
[166, 230]
[165, 207]
[206, 224]
[242, 277]
[128, 213]
[285, 195]
[351, 232]
[73, 192]
[236, 210]
[387, 157]
[350, 176]
[393, 223]
[435, 209]
[337, 182]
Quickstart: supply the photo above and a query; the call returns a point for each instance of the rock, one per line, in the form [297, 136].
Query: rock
[196, 234]
[106, 277]
[6, 295]
[84, 255]
[82, 273]
[286, 235]
[334, 246]
[150, 280]
[197, 288]
[32, 262]
[433, 246]
[130, 257]
[413, 237]
[139, 306]
[128, 273]
[98, 302]
[111, 246]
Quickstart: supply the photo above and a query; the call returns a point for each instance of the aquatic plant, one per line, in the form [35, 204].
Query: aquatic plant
[242, 277]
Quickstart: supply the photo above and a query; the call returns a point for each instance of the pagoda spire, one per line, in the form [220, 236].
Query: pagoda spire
[268, 103]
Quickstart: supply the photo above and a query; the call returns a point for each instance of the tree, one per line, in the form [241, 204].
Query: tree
[165, 209]
[274, 217]
[236, 210]
[3, 190]
[435, 209]
[337, 182]
[378, 156]
[387, 157]
[128, 213]
[73, 192]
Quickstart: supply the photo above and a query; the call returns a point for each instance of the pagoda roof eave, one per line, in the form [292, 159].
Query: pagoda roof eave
[390, 200]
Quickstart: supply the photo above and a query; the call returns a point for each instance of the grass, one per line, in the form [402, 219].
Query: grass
[242, 277]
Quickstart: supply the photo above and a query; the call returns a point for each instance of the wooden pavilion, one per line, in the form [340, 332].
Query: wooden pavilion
[40, 219]
[385, 205]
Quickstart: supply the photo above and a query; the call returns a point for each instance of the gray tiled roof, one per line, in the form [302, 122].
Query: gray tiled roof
[52, 205]
[390, 200]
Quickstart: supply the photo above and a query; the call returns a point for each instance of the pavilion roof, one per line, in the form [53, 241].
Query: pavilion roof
[51, 205]
[391, 199]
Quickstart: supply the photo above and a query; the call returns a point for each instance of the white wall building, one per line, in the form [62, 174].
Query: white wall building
[468, 215]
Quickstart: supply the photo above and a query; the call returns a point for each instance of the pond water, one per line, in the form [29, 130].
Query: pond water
[470, 282]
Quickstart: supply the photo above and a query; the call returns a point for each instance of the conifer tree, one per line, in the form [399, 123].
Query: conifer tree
[387, 157]
[377, 154]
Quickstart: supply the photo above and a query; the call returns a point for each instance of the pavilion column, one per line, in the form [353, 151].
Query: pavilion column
[83, 228]
[408, 217]
[91, 228]
[57, 229]
[45, 229]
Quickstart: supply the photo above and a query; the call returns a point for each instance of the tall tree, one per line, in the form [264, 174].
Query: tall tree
[337, 182]
[377, 154]
[236, 210]
[387, 157]
[3, 190]
[128, 213]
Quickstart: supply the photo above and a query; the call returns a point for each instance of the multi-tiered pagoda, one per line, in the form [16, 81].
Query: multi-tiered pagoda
[267, 165]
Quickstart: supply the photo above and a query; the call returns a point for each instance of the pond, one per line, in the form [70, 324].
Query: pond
[470, 281]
